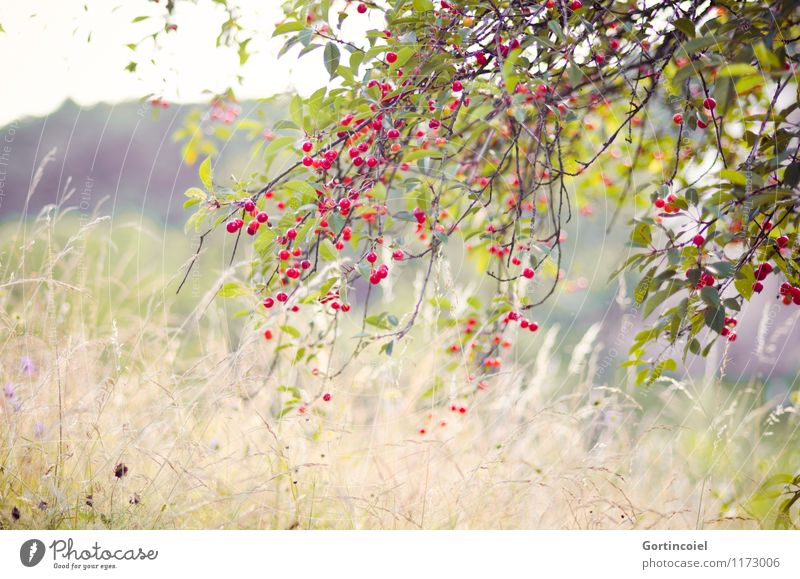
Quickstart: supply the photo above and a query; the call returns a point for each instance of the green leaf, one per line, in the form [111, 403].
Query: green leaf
[207, 174]
[291, 330]
[642, 235]
[714, 318]
[737, 69]
[422, 5]
[722, 268]
[231, 290]
[710, 296]
[331, 56]
[686, 26]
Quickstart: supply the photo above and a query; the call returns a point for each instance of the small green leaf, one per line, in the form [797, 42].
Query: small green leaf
[331, 56]
[207, 174]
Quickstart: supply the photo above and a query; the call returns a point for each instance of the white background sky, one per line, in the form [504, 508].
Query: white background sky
[47, 56]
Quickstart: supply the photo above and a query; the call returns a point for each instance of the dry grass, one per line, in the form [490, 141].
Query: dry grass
[187, 397]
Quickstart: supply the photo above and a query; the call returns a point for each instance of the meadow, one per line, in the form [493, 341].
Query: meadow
[128, 406]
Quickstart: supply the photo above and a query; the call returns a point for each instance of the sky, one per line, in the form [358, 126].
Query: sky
[59, 49]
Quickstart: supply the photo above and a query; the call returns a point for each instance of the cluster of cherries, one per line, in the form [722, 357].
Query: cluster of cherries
[524, 323]
[708, 103]
[790, 293]
[730, 323]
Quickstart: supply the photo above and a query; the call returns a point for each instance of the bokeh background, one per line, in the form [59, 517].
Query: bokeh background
[104, 365]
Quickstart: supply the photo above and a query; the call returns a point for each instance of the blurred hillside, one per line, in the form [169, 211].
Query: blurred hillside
[122, 155]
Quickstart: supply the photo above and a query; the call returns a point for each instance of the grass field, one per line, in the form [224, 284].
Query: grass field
[107, 372]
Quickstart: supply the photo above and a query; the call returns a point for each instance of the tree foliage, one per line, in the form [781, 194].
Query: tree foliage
[483, 123]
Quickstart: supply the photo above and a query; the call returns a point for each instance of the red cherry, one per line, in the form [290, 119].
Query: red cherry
[457, 86]
[308, 161]
[660, 203]
[391, 57]
[371, 161]
[758, 287]
[284, 254]
[361, 8]
[281, 297]
[344, 204]
[307, 146]
[677, 119]
[327, 397]
[398, 255]
[291, 233]
[575, 5]
[528, 273]
[268, 302]
[252, 227]
[232, 226]
[698, 240]
[292, 273]
[613, 44]
[782, 241]
[268, 334]
[533, 326]
[709, 104]
[762, 271]
[331, 155]
[262, 217]
[701, 124]
[248, 205]
[372, 257]
[305, 264]
[419, 215]
[358, 161]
